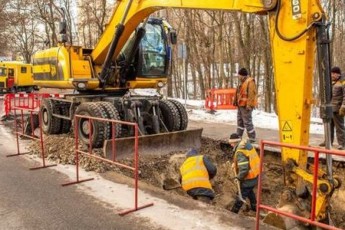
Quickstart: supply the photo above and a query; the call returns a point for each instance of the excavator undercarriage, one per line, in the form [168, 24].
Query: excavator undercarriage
[162, 123]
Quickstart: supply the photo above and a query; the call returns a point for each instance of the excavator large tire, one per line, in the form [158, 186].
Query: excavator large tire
[112, 114]
[98, 130]
[183, 114]
[169, 115]
[50, 124]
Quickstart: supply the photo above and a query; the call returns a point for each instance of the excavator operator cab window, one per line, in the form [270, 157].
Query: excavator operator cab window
[153, 49]
[153, 56]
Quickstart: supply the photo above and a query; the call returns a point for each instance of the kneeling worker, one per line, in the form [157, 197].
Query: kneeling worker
[246, 163]
[196, 173]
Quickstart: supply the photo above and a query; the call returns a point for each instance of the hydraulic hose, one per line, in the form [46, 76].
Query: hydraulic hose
[107, 66]
[324, 66]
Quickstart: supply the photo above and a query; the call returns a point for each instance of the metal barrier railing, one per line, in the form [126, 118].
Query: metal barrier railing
[135, 168]
[316, 152]
[24, 100]
[220, 99]
[32, 136]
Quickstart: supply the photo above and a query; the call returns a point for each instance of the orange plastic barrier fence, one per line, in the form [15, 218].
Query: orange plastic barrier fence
[217, 99]
[312, 219]
[90, 153]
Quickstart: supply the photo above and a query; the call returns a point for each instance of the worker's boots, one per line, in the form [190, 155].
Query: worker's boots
[237, 206]
[322, 144]
[235, 209]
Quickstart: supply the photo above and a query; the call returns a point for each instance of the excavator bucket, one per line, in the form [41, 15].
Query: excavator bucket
[157, 144]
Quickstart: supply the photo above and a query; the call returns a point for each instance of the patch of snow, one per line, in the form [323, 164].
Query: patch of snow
[145, 92]
[260, 119]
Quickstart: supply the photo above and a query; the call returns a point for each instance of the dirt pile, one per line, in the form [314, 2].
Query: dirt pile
[61, 149]
[155, 170]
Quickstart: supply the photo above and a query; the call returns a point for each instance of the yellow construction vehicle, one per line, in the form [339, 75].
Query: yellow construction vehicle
[134, 52]
[16, 77]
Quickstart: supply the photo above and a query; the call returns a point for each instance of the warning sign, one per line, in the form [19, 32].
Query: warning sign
[287, 131]
[287, 126]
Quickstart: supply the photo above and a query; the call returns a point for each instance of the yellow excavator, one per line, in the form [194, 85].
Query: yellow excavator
[134, 52]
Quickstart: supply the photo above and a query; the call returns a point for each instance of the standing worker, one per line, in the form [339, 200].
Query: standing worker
[246, 101]
[338, 107]
[246, 164]
[196, 173]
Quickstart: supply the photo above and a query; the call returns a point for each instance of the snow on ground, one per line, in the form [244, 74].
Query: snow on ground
[260, 119]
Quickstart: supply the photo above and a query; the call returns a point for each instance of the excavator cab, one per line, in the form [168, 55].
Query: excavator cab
[147, 53]
[154, 49]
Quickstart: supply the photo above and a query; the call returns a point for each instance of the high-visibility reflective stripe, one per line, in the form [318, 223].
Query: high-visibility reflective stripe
[251, 131]
[254, 162]
[194, 174]
[242, 93]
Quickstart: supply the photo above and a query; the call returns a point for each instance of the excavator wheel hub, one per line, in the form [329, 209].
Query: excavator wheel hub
[85, 127]
[45, 117]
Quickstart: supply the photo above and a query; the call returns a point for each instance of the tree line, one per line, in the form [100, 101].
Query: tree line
[214, 44]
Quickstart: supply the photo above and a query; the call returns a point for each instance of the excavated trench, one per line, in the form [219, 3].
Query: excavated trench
[157, 170]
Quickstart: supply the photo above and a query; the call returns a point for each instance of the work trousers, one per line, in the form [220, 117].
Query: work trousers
[247, 192]
[245, 121]
[338, 124]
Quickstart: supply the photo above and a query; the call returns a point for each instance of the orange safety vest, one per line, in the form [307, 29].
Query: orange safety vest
[194, 173]
[242, 93]
[254, 162]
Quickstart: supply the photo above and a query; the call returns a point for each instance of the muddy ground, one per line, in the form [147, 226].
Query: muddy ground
[155, 170]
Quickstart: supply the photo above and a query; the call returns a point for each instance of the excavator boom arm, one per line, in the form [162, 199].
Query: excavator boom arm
[293, 43]
[131, 13]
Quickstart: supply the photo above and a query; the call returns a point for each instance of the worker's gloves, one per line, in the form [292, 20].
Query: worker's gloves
[342, 111]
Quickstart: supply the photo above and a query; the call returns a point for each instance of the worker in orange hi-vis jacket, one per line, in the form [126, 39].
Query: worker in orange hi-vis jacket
[246, 101]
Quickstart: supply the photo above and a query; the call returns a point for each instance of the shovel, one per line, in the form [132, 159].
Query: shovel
[170, 184]
[239, 188]
[171, 187]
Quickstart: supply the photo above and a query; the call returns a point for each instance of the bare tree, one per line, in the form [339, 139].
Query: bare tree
[93, 16]
[21, 29]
